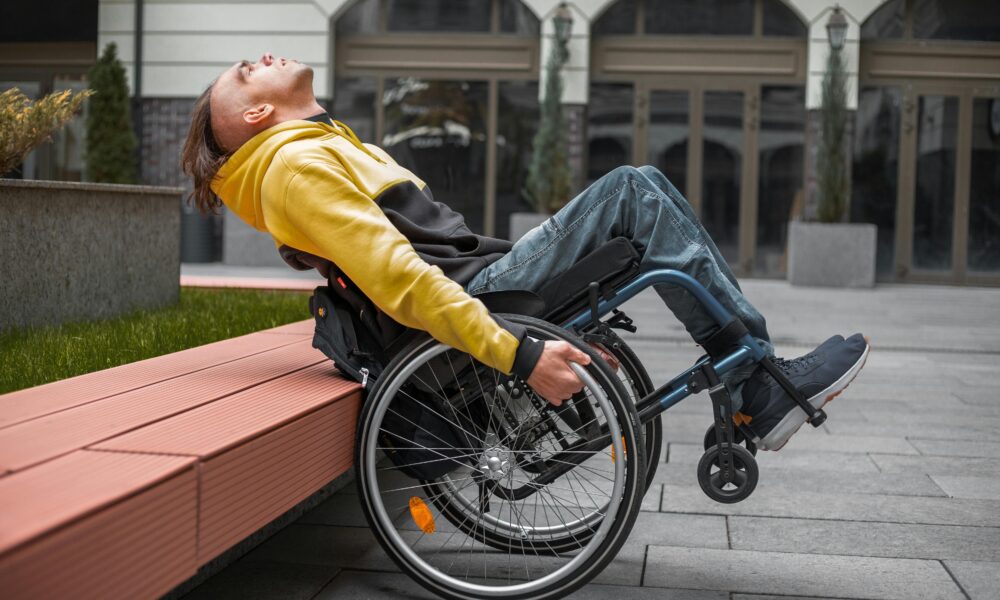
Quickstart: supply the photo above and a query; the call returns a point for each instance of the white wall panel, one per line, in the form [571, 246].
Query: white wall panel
[170, 81]
[235, 17]
[229, 48]
[125, 42]
[115, 16]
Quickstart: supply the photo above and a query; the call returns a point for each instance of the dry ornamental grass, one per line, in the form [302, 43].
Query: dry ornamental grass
[24, 124]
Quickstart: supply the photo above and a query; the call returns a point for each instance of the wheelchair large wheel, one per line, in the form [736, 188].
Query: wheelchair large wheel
[528, 478]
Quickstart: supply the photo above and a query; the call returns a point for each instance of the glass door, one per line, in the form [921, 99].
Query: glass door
[983, 247]
[699, 138]
[949, 197]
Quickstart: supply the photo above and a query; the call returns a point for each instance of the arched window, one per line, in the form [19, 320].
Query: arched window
[438, 16]
[972, 20]
[700, 17]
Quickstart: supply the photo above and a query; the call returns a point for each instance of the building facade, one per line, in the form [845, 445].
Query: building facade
[721, 95]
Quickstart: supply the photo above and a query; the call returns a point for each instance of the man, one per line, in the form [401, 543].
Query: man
[261, 143]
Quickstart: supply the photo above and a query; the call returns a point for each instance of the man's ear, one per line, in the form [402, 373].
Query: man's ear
[256, 115]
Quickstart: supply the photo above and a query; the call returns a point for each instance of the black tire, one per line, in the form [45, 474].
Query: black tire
[636, 381]
[542, 577]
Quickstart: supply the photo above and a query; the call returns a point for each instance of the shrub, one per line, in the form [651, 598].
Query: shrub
[110, 140]
[549, 182]
[831, 159]
[25, 125]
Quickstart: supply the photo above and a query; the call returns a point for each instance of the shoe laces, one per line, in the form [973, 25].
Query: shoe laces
[790, 366]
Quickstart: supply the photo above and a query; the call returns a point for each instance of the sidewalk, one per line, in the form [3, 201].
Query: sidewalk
[897, 496]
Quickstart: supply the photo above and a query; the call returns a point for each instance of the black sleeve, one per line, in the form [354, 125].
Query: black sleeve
[529, 350]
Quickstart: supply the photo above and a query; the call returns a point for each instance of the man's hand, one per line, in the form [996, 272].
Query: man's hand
[552, 377]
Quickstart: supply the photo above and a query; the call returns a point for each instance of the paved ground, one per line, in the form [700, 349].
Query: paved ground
[897, 496]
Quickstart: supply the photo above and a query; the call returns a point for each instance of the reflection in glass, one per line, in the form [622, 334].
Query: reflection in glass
[779, 195]
[354, 104]
[875, 168]
[609, 128]
[722, 163]
[68, 142]
[517, 18]
[984, 186]
[668, 135]
[362, 17]
[934, 200]
[617, 19]
[956, 20]
[699, 17]
[437, 129]
[780, 20]
[886, 22]
[517, 121]
[438, 15]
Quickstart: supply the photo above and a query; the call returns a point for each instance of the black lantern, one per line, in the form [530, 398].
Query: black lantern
[563, 23]
[836, 28]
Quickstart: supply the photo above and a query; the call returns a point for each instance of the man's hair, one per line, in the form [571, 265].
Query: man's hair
[202, 156]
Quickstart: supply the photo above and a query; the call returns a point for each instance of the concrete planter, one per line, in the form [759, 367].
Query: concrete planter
[244, 246]
[75, 251]
[831, 254]
[523, 222]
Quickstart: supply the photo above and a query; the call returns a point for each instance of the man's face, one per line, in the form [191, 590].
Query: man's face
[251, 96]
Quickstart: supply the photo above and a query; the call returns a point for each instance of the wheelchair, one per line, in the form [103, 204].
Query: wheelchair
[476, 487]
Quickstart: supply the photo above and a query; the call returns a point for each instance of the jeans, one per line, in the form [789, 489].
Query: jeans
[642, 205]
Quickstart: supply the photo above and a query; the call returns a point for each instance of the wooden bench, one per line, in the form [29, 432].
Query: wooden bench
[123, 482]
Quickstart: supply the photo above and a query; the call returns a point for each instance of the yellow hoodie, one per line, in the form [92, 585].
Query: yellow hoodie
[314, 186]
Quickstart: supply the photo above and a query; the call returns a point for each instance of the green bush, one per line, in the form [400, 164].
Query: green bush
[110, 141]
[831, 159]
[25, 125]
[549, 182]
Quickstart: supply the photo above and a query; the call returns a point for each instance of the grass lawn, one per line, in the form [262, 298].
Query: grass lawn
[31, 357]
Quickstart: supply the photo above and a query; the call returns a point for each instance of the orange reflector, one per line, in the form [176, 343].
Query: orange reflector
[421, 515]
[624, 447]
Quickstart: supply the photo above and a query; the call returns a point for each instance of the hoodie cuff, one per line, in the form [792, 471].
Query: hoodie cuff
[528, 353]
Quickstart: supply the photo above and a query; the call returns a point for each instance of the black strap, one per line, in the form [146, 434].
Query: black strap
[725, 339]
[815, 416]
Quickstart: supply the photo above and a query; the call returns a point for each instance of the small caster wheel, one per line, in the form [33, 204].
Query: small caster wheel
[738, 438]
[742, 483]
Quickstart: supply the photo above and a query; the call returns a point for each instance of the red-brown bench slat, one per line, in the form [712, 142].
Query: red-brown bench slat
[42, 439]
[24, 405]
[98, 525]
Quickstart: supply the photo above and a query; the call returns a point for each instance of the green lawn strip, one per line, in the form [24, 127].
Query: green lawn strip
[31, 357]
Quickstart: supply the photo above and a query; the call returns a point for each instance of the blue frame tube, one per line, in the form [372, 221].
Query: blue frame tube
[749, 350]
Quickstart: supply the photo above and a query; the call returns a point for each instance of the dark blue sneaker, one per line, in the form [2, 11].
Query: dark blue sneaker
[772, 416]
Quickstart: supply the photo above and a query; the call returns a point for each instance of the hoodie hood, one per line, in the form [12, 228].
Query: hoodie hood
[238, 183]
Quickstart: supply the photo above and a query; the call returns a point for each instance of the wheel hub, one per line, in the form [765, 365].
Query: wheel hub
[494, 463]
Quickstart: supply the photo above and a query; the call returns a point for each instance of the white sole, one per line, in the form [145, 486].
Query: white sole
[786, 428]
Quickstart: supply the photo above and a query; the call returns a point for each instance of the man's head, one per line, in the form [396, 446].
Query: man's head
[244, 100]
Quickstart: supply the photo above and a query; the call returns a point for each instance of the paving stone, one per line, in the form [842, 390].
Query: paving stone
[960, 486]
[891, 540]
[353, 547]
[667, 529]
[340, 509]
[912, 430]
[956, 448]
[360, 585]
[824, 481]
[811, 460]
[978, 579]
[799, 574]
[937, 465]
[769, 501]
[247, 580]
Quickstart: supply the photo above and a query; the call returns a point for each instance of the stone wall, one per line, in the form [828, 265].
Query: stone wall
[78, 251]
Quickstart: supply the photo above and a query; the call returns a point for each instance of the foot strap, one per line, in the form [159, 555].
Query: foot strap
[724, 339]
[814, 415]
